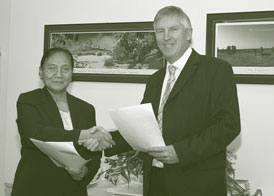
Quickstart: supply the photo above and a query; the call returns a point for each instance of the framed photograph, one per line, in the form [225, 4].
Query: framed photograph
[246, 41]
[108, 52]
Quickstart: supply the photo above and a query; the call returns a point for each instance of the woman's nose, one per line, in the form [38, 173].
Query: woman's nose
[59, 72]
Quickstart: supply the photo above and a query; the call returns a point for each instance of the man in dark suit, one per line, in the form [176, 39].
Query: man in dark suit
[194, 99]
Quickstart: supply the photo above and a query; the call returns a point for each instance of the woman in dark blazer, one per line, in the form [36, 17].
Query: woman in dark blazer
[52, 114]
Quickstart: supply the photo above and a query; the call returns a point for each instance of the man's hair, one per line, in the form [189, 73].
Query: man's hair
[53, 51]
[173, 10]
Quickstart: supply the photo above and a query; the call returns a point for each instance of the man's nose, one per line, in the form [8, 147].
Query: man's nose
[167, 35]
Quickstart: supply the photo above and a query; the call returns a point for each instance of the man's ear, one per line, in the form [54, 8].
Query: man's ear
[40, 73]
[189, 34]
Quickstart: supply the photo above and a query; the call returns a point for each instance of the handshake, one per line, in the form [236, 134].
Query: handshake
[96, 139]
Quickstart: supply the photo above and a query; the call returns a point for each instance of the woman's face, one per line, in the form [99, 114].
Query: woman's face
[56, 72]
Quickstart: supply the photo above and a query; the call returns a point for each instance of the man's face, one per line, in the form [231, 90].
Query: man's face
[172, 37]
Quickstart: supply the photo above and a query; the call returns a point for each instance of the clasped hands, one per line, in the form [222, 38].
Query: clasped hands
[96, 139]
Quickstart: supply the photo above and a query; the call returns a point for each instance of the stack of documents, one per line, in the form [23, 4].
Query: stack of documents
[63, 154]
[138, 125]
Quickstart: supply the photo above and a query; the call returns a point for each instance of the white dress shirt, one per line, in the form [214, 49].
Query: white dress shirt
[67, 122]
[179, 64]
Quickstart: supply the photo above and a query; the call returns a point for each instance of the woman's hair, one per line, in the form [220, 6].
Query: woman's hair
[173, 10]
[53, 51]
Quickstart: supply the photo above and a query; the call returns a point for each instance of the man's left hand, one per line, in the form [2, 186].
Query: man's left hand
[165, 154]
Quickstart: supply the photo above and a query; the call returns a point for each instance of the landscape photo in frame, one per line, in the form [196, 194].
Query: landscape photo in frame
[246, 41]
[108, 52]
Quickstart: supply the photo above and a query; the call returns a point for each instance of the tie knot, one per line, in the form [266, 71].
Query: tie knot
[171, 70]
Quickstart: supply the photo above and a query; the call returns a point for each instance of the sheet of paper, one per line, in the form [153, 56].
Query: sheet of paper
[138, 125]
[132, 189]
[63, 154]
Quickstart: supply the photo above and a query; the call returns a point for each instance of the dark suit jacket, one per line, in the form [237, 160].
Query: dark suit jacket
[201, 117]
[39, 118]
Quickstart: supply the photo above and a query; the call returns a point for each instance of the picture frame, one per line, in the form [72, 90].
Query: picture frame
[108, 52]
[246, 41]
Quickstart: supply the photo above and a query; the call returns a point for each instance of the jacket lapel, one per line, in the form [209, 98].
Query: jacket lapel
[157, 90]
[51, 108]
[73, 109]
[187, 72]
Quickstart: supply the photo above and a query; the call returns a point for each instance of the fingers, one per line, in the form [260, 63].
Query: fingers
[93, 129]
[97, 139]
[90, 144]
[158, 155]
[104, 134]
[157, 149]
[158, 152]
[77, 174]
[165, 154]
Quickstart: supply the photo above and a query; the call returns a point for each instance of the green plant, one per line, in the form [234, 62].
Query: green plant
[236, 187]
[125, 164]
[130, 163]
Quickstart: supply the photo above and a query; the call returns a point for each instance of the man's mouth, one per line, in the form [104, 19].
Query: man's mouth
[168, 45]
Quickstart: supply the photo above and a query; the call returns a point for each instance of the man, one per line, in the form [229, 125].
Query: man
[194, 99]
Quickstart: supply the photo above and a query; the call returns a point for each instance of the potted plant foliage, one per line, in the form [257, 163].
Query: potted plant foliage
[129, 166]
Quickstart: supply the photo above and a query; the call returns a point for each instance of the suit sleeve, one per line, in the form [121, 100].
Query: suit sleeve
[90, 116]
[224, 123]
[93, 166]
[95, 157]
[121, 144]
[30, 124]
[120, 147]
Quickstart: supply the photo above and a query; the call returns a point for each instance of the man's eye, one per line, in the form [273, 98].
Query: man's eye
[159, 31]
[174, 29]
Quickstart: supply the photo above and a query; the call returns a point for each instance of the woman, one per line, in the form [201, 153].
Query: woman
[52, 114]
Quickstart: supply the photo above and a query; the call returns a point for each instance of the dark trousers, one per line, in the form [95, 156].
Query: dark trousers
[157, 185]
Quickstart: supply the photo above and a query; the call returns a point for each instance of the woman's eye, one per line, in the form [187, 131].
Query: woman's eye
[65, 69]
[51, 67]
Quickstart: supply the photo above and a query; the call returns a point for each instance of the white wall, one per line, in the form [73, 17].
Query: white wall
[27, 20]
[4, 41]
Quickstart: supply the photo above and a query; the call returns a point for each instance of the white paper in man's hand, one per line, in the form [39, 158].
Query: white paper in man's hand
[138, 125]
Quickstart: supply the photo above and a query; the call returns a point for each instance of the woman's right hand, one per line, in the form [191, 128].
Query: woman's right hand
[96, 139]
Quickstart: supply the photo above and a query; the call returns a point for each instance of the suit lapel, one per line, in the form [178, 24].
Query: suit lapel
[73, 109]
[187, 72]
[51, 108]
[157, 90]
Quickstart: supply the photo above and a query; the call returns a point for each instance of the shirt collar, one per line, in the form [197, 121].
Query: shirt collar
[180, 63]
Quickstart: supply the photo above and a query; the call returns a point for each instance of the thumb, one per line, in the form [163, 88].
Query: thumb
[93, 129]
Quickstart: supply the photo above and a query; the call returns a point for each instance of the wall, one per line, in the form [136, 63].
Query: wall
[27, 19]
[4, 41]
